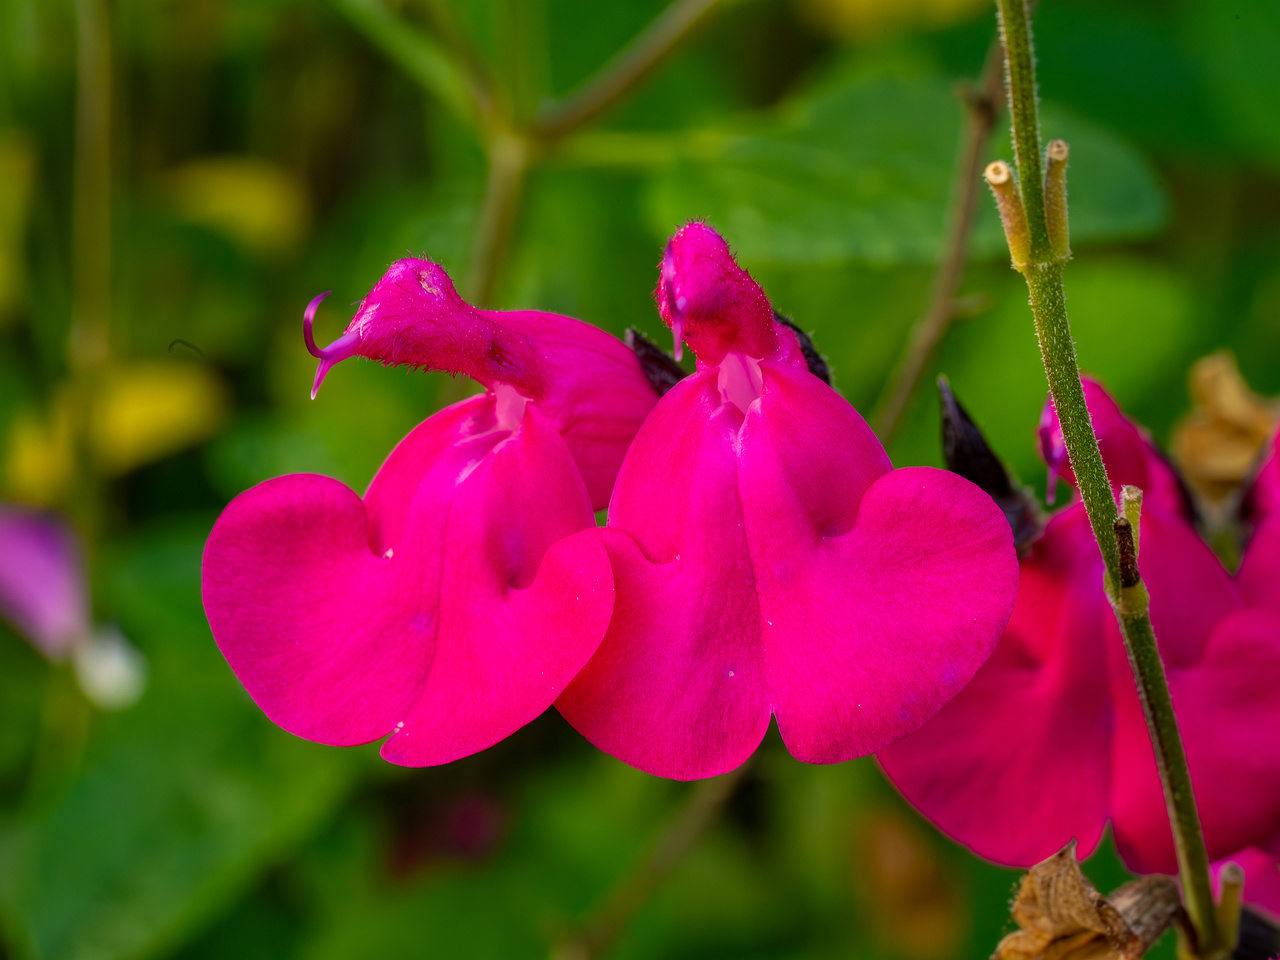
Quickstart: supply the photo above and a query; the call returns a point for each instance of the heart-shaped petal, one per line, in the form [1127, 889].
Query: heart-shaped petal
[342, 616]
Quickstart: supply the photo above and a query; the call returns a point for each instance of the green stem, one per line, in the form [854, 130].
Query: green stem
[1049, 307]
[1020, 67]
[1058, 351]
[1171, 761]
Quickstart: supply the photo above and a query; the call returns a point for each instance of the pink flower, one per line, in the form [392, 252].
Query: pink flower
[43, 593]
[768, 560]
[42, 589]
[1048, 742]
[453, 603]
[587, 384]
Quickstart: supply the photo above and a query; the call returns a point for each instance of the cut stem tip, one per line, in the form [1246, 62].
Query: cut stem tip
[1055, 198]
[1013, 215]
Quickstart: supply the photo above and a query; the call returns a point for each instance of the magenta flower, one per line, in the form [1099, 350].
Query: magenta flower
[1048, 742]
[586, 383]
[43, 593]
[453, 603]
[768, 560]
[42, 589]
[1260, 567]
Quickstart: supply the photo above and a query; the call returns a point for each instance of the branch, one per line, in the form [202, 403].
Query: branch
[625, 71]
[705, 802]
[421, 57]
[1116, 535]
[922, 343]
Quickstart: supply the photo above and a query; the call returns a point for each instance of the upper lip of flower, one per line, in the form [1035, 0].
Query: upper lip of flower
[589, 384]
[710, 302]
[336, 352]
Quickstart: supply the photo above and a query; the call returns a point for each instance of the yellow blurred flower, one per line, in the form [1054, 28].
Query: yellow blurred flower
[258, 204]
[858, 19]
[150, 409]
[41, 456]
[135, 414]
[17, 174]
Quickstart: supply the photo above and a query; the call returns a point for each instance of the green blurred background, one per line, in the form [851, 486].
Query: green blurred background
[261, 151]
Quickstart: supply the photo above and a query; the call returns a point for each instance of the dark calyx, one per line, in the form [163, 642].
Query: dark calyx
[656, 364]
[815, 361]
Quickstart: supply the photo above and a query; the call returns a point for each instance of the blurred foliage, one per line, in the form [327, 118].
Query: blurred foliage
[266, 150]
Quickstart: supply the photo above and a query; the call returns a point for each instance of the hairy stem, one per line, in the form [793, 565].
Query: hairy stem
[1058, 351]
[1020, 67]
[705, 801]
[928, 331]
[1043, 273]
[625, 71]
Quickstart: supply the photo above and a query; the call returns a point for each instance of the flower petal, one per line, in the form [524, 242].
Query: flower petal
[677, 686]
[336, 615]
[1259, 574]
[524, 600]
[330, 639]
[1018, 763]
[42, 590]
[881, 592]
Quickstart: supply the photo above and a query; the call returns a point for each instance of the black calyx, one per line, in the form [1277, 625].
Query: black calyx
[1259, 936]
[656, 364]
[817, 365]
[968, 454]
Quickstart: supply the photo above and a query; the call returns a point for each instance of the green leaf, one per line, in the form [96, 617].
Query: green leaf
[180, 802]
[862, 171]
